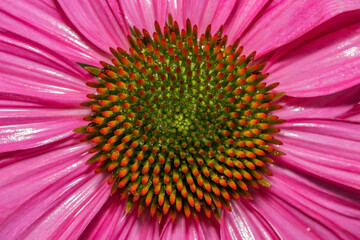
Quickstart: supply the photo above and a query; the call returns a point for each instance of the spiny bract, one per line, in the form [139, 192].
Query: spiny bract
[181, 122]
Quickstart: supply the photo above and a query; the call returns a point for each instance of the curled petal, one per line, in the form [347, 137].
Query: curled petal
[283, 21]
[327, 106]
[319, 67]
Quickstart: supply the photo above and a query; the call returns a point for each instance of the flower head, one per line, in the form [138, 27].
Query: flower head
[180, 121]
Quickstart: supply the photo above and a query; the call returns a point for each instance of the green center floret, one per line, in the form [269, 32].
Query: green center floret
[182, 123]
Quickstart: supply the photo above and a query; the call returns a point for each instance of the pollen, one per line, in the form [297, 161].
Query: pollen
[181, 122]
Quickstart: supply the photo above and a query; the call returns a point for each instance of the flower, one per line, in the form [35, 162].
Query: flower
[311, 49]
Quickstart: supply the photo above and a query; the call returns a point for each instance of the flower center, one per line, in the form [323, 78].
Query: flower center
[181, 122]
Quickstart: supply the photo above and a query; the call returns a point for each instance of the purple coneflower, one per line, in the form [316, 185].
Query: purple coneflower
[179, 119]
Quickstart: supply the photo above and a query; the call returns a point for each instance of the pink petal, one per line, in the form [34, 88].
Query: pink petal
[283, 21]
[211, 227]
[177, 10]
[288, 222]
[329, 149]
[353, 114]
[8, 103]
[320, 67]
[111, 223]
[63, 197]
[106, 221]
[24, 136]
[161, 11]
[25, 115]
[212, 12]
[244, 222]
[143, 227]
[39, 75]
[298, 205]
[62, 213]
[143, 13]
[189, 228]
[242, 15]
[44, 23]
[27, 127]
[324, 106]
[40, 166]
[194, 10]
[98, 22]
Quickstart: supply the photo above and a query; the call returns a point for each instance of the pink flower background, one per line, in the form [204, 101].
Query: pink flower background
[312, 49]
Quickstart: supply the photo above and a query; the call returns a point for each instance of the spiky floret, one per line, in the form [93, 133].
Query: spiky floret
[182, 122]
